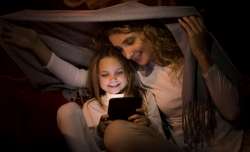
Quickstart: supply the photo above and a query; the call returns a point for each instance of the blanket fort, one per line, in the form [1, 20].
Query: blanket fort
[70, 34]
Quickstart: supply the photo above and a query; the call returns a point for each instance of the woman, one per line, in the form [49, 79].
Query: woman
[197, 98]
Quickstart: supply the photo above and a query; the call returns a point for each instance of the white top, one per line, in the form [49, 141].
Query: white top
[168, 95]
[68, 73]
[168, 98]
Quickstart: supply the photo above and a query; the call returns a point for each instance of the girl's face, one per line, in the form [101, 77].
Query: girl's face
[112, 77]
[134, 46]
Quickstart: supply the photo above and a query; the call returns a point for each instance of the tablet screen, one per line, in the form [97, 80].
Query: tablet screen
[122, 108]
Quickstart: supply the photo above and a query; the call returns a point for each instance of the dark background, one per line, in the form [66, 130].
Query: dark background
[31, 125]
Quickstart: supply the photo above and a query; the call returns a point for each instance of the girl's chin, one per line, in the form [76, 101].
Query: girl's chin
[114, 92]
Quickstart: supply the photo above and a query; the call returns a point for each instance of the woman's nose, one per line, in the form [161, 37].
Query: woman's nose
[128, 53]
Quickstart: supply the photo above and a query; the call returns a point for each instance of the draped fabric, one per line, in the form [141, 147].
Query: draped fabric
[70, 33]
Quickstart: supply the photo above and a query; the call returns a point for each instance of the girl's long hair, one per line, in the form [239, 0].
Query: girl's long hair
[134, 86]
[166, 50]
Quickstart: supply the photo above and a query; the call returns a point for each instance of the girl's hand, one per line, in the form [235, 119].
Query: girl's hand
[20, 36]
[104, 122]
[198, 39]
[139, 118]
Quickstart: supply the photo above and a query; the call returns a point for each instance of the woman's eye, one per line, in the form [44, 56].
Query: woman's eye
[130, 40]
[119, 49]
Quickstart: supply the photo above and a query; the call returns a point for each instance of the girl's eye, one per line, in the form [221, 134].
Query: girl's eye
[120, 72]
[104, 75]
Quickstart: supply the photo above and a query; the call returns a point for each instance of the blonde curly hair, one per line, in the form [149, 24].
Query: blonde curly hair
[166, 50]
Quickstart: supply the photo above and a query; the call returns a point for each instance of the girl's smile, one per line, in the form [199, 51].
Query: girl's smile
[112, 77]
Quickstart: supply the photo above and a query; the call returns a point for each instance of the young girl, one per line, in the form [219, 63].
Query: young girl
[111, 75]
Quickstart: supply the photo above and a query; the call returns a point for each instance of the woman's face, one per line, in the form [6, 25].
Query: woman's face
[134, 46]
[112, 77]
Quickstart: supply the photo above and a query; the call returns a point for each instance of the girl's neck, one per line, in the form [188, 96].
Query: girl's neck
[109, 96]
[119, 95]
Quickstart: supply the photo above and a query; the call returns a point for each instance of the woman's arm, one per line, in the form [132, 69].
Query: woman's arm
[30, 40]
[198, 40]
[67, 72]
[222, 91]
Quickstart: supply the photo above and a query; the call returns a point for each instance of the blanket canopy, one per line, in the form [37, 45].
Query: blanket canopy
[70, 33]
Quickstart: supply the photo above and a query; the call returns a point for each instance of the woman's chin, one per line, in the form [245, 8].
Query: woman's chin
[141, 62]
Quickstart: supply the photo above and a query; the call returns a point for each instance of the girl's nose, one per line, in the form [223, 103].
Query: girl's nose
[112, 77]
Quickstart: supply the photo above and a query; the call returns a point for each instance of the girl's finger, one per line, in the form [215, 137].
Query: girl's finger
[104, 117]
[140, 111]
[107, 122]
[135, 116]
[142, 121]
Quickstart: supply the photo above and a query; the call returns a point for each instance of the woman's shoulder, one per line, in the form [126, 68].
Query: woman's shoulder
[148, 92]
[150, 100]
[149, 95]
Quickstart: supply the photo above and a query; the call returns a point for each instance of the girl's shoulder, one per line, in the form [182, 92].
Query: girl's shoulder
[91, 103]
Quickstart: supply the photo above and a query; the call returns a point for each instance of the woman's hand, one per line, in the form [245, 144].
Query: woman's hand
[139, 118]
[20, 36]
[26, 38]
[198, 39]
[104, 122]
